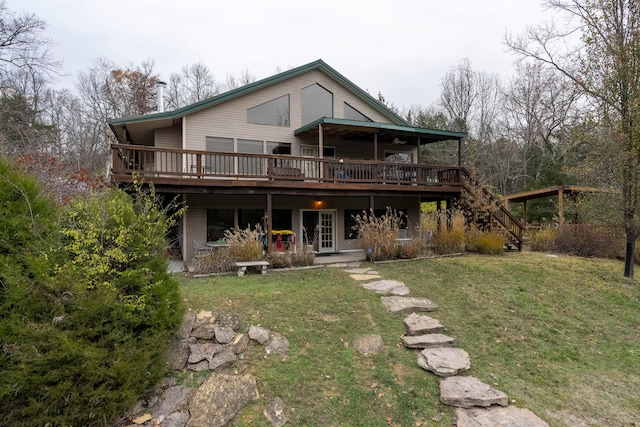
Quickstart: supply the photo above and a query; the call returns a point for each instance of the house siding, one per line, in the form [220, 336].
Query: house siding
[196, 216]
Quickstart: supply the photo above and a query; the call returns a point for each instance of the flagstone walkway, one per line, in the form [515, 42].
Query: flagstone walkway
[477, 404]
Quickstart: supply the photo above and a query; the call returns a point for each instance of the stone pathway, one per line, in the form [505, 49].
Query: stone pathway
[477, 404]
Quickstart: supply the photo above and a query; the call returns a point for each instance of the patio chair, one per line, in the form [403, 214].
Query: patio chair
[200, 248]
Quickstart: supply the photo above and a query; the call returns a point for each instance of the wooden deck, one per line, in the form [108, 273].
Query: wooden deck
[236, 170]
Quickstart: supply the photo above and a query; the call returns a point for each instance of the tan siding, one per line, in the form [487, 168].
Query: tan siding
[168, 138]
[229, 120]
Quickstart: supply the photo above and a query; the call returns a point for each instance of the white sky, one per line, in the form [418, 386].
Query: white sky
[401, 48]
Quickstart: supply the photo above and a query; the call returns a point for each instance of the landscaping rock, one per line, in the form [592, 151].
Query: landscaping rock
[224, 335]
[204, 332]
[259, 334]
[177, 354]
[408, 305]
[274, 412]
[368, 344]
[177, 419]
[497, 417]
[361, 277]
[417, 324]
[224, 358]
[220, 399]
[278, 345]
[444, 361]
[203, 351]
[467, 392]
[230, 321]
[240, 343]
[428, 341]
[188, 321]
[387, 287]
[172, 399]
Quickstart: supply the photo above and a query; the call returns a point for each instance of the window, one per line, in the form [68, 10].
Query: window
[218, 220]
[281, 219]
[217, 163]
[282, 148]
[329, 152]
[273, 113]
[250, 165]
[398, 157]
[250, 218]
[317, 102]
[351, 113]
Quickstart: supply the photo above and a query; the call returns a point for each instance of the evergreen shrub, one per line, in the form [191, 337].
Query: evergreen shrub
[88, 306]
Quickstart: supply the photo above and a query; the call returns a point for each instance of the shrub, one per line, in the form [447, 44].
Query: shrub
[80, 345]
[411, 249]
[279, 260]
[451, 236]
[543, 240]
[303, 257]
[587, 242]
[245, 244]
[486, 243]
[217, 261]
[377, 235]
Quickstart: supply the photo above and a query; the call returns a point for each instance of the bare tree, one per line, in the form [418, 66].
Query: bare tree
[194, 83]
[458, 95]
[22, 43]
[598, 51]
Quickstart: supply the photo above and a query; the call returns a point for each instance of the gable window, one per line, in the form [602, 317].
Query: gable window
[273, 113]
[317, 102]
[351, 113]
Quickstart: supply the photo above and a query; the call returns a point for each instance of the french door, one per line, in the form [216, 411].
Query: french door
[319, 230]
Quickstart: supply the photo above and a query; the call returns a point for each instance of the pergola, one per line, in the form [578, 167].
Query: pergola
[557, 191]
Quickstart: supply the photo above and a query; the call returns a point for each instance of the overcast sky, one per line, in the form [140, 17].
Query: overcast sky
[400, 48]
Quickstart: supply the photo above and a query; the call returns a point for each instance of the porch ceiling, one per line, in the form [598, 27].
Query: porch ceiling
[364, 131]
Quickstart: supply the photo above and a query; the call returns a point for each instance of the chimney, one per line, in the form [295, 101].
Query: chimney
[160, 95]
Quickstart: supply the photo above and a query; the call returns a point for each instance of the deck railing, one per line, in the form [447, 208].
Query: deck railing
[193, 164]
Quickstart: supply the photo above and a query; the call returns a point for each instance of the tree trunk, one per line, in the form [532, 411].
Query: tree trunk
[629, 257]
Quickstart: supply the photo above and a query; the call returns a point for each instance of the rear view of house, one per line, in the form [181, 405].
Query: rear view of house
[299, 153]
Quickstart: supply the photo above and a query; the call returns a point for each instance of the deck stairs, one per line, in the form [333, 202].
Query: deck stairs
[482, 209]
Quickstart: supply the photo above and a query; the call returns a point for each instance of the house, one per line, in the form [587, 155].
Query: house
[299, 152]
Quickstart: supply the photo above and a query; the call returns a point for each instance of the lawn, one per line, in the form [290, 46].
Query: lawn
[560, 336]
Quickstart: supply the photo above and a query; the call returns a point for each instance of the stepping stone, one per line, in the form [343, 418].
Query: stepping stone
[358, 270]
[368, 344]
[467, 392]
[361, 277]
[428, 341]
[417, 324]
[444, 361]
[408, 305]
[497, 416]
[387, 287]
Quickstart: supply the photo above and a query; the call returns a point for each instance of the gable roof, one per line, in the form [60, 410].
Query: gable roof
[260, 84]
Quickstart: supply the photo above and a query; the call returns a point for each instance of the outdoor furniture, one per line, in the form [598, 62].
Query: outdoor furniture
[200, 248]
[217, 245]
[242, 266]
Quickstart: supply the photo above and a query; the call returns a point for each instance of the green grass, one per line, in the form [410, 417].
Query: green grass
[560, 336]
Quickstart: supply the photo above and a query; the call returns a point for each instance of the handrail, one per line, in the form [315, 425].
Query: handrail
[500, 214]
[155, 161]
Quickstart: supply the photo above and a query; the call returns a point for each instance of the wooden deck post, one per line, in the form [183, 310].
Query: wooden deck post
[269, 221]
[560, 205]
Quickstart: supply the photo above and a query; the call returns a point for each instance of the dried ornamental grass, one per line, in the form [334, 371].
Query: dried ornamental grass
[245, 244]
[377, 235]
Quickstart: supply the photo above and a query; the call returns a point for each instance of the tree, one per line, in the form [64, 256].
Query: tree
[194, 83]
[22, 44]
[603, 61]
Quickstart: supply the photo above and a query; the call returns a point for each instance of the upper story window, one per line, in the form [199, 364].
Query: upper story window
[351, 113]
[317, 102]
[273, 113]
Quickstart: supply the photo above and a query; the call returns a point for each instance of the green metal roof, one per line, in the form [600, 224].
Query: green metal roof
[382, 127]
[260, 84]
